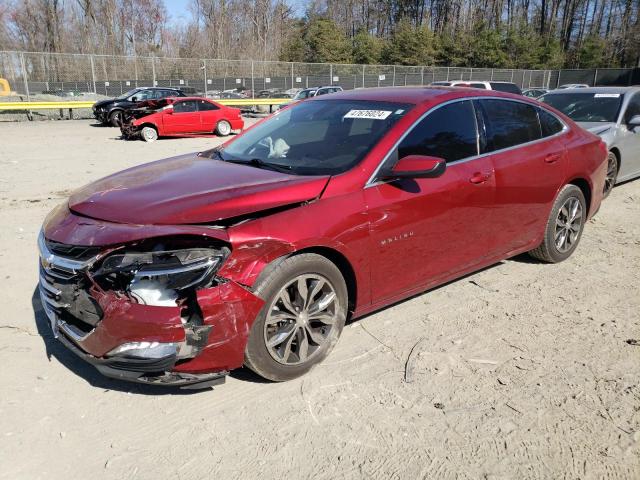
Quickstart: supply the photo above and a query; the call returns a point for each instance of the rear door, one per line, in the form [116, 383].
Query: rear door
[529, 166]
[210, 114]
[183, 118]
[425, 230]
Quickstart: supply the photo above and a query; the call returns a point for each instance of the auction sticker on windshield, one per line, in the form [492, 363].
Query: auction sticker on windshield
[373, 114]
[606, 95]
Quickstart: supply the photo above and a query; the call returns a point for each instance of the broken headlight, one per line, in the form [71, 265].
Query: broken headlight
[158, 277]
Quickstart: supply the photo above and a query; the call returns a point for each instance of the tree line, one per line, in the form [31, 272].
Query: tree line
[468, 33]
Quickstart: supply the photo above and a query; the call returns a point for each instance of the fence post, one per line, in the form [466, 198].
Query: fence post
[253, 88]
[448, 73]
[93, 74]
[394, 75]
[292, 75]
[331, 74]
[153, 71]
[595, 77]
[24, 76]
[362, 77]
[512, 75]
[422, 76]
[204, 67]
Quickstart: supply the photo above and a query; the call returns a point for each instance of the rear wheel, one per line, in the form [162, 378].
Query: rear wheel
[612, 174]
[149, 134]
[223, 128]
[115, 118]
[564, 226]
[303, 315]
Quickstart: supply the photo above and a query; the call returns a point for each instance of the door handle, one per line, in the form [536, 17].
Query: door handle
[479, 177]
[552, 157]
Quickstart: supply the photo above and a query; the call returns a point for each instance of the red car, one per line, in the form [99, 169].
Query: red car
[180, 116]
[256, 253]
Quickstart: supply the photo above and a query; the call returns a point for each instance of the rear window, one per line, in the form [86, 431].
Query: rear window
[509, 123]
[506, 87]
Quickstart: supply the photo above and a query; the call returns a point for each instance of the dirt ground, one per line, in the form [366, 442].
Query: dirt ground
[520, 371]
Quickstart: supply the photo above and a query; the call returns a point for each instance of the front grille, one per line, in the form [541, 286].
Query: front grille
[72, 252]
[62, 289]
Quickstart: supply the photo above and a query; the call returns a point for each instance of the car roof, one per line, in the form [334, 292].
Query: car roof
[417, 95]
[620, 90]
[159, 88]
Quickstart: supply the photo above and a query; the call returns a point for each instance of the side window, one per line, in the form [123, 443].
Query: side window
[322, 91]
[184, 107]
[509, 123]
[633, 108]
[448, 132]
[478, 85]
[143, 95]
[550, 124]
[204, 106]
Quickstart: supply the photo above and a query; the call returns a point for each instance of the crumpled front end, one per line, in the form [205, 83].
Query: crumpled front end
[148, 310]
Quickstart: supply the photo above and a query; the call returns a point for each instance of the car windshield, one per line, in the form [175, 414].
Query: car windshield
[317, 137]
[586, 107]
[126, 95]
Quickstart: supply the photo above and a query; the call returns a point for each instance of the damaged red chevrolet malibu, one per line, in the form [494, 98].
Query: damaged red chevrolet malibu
[255, 253]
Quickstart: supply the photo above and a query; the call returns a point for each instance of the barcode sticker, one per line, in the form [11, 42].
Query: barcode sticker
[373, 114]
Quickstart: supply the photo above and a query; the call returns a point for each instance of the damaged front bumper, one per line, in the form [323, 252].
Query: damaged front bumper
[143, 343]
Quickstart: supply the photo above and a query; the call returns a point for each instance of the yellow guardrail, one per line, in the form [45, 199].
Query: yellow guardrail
[79, 104]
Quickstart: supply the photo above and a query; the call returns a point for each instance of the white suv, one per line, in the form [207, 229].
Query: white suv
[508, 87]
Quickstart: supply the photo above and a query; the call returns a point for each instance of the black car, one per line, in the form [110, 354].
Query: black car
[110, 111]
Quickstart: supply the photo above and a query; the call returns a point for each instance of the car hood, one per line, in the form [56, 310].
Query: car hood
[190, 189]
[104, 103]
[597, 128]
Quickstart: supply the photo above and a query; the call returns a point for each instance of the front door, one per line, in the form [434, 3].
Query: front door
[184, 118]
[424, 231]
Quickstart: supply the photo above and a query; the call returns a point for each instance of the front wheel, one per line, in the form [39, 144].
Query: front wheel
[115, 118]
[223, 128]
[149, 134]
[564, 226]
[303, 315]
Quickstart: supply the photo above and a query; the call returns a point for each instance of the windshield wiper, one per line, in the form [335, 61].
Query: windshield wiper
[256, 162]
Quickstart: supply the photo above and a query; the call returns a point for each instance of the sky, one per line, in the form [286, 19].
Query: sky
[179, 12]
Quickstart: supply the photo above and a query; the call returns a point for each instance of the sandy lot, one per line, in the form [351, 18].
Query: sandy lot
[520, 371]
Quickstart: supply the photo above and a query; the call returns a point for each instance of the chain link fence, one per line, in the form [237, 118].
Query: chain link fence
[34, 73]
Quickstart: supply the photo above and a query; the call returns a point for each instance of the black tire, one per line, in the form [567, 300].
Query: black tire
[549, 251]
[115, 118]
[258, 357]
[223, 128]
[612, 174]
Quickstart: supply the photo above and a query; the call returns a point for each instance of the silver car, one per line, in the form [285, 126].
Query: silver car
[613, 113]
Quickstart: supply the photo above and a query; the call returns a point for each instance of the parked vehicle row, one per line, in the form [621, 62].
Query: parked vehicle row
[256, 252]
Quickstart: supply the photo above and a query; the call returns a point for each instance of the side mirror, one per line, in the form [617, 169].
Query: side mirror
[634, 121]
[416, 166]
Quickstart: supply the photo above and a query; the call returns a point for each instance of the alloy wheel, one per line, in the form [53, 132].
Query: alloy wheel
[300, 319]
[568, 224]
[612, 173]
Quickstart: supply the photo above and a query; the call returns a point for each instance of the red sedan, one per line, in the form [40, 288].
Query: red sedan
[256, 253]
[180, 116]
